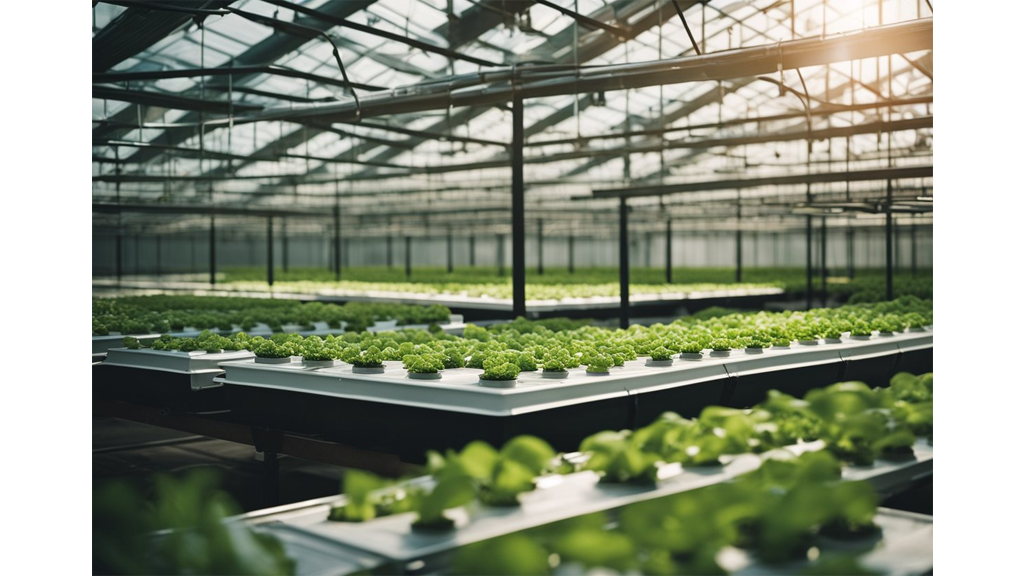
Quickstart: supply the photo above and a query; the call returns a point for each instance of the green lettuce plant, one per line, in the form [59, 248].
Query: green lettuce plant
[425, 363]
[500, 371]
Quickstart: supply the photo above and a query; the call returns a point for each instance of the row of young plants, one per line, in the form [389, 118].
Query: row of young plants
[503, 351]
[558, 283]
[776, 510]
[162, 313]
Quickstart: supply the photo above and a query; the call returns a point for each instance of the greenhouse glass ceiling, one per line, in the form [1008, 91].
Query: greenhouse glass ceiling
[398, 111]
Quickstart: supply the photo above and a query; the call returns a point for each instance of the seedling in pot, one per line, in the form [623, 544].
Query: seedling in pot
[499, 374]
[691, 350]
[424, 366]
[599, 364]
[720, 347]
[660, 356]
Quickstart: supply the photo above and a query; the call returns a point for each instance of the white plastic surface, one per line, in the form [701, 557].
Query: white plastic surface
[459, 390]
[200, 367]
[556, 498]
[905, 549]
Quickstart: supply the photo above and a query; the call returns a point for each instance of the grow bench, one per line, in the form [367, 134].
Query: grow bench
[101, 344]
[390, 541]
[483, 307]
[393, 413]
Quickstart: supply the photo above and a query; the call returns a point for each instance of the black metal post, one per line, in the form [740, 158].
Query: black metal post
[739, 243]
[913, 249]
[137, 267]
[159, 270]
[668, 251]
[623, 263]
[472, 251]
[389, 255]
[213, 250]
[270, 250]
[647, 250]
[284, 244]
[810, 266]
[824, 261]
[192, 253]
[849, 252]
[895, 246]
[337, 243]
[888, 243]
[448, 251]
[518, 211]
[540, 247]
[501, 254]
[408, 256]
[572, 254]
[119, 258]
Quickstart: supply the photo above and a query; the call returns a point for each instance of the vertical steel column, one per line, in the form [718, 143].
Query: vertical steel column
[849, 252]
[913, 249]
[572, 254]
[284, 244]
[390, 257]
[895, 246]
[623, 263]
[668, 251]
[739, 243]
[408, 256]
[158, 259]
[448, 250]
[501, 254]
[824, 261]
[888, 243]
[213, 250]
[137, 267]
[119, 257]
[270, 250]
[540, 247]
[810, 265]
[337, 242]
[192, 253]
[518, 211]
[472, 251]
[647, 250]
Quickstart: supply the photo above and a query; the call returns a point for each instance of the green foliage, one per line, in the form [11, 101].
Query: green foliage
[423, 363]
[599, 363]
[661, 353]
[368, 496]
[200, 541]
[131, 343]
[500, 371]
[269, 349]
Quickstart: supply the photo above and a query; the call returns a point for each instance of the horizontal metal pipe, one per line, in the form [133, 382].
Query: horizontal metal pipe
[540, 81]
[853, 176]
[113, 77]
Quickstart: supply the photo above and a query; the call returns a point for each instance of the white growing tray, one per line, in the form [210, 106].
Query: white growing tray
[200, 366]
[557, 497]
[101, 344]
[459, 390]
